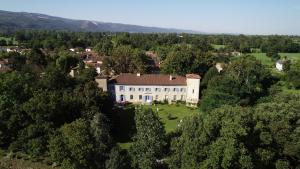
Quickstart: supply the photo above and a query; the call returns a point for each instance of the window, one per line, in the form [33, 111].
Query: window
[131, 97]
[122, 98]
[141, 89]
[174, 97]
[193, 91]
[182, 89]
[131, 89]
[156, 97]
[148, 98]
[121, 88]
[175, 90]
[157, 89]
[182, 98]
[148, 89]
[140, 97]
[167, 89]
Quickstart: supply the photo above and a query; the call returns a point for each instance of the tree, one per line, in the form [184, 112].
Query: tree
[118, 159]
[3, 42]
[215, 140]
[149, 142]
[266, 136]
[103, 142]
[273, 55]
[73, 146]
[105, 47]
[36, 56]
[16, 60]
[179, 61]
[211, 73]
[15, 89]
[126, 59]
[293, 75]
[244, 81]
[55, 79]
[65, 62]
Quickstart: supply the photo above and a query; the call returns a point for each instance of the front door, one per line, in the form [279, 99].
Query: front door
[122, 98]
[148, 99]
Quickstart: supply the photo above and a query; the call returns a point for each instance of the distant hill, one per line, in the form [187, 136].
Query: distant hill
[13, 21]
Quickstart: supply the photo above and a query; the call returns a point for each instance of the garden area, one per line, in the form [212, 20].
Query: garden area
[170, 116]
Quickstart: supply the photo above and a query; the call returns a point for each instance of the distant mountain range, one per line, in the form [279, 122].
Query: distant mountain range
[13, 21]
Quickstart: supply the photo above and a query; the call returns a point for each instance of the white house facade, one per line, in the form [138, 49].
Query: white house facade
[145, 89]
[279, 65]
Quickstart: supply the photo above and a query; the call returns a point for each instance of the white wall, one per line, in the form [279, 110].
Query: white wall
[279, 66]
[156, 95]
[193, 87]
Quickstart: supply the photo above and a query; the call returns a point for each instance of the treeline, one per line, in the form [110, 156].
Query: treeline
[241, 43]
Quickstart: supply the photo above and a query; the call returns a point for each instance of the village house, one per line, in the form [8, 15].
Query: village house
[280, 65]
[72, 49]
[235, 53]
[88, 50]
[147, 88]
[220, 67]
[4, 66]
[13, 49]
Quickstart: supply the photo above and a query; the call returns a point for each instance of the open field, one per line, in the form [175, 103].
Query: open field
[8, 39]
[218, 46]
[263, 58]
[170, 116]
[268, 61]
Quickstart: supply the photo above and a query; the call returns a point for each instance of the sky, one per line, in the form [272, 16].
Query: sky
[209, 16]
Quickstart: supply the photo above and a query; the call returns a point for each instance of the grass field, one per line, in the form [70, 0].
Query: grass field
[263, 58]
[170, 116]
[268, 61]
[8, 39]
[218, 46]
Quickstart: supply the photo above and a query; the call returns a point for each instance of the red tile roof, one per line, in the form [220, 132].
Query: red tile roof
[193, 76]
[149, 79]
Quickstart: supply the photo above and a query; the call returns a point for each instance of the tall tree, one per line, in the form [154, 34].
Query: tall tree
[150, 140]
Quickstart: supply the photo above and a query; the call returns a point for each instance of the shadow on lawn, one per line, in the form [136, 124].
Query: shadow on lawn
[124, 126]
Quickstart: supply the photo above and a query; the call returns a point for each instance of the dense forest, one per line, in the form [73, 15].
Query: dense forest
[249, 114]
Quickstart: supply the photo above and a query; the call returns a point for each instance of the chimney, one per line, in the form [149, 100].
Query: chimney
[171, 77]
[138, 74]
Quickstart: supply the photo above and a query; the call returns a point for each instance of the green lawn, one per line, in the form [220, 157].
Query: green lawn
[292, 56]
[8, 39]
[170, 116]
[218, 46]
[263, 58]
[268, 61]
